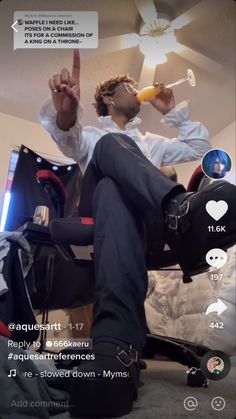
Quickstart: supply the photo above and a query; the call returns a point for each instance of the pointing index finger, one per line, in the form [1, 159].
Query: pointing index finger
[76, 65]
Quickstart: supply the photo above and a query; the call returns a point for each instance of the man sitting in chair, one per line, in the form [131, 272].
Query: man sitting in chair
[123, 189]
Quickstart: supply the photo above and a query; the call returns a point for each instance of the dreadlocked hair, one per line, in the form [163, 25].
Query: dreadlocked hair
[106, 88]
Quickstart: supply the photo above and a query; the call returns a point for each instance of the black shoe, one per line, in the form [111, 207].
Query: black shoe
[142, 364]
[107, 386]
[191, 232]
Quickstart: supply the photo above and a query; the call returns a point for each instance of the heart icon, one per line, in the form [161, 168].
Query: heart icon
[216, 209]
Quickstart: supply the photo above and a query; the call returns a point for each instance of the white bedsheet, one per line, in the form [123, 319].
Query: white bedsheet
[179, 310]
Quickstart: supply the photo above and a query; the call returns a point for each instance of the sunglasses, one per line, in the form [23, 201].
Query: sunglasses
[128, 87]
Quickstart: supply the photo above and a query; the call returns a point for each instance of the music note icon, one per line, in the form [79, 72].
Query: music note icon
[12, 373]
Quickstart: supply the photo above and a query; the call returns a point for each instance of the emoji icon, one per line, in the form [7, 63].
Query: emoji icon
[218, 403]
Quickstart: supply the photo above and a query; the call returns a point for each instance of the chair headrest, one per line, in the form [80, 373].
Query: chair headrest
[195, 179]
[43, 176]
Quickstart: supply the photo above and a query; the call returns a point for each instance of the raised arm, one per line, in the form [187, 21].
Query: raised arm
[65, 91]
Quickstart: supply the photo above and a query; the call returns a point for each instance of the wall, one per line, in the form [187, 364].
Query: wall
[225, 140]
[16, 131]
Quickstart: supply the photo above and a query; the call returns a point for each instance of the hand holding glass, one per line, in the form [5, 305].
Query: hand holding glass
[152, 91]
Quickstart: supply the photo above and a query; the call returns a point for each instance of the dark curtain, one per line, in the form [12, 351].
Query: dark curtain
[27, 193]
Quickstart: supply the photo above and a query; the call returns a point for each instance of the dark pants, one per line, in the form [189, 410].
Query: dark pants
[122, 190]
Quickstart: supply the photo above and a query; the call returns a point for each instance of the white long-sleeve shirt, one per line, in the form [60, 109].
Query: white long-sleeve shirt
[78, 142]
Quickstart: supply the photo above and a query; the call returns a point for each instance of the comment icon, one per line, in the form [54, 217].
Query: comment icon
[216, 258]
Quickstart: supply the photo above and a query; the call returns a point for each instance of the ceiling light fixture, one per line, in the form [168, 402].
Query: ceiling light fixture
[156, 40]
[152, 51]
[155, 48]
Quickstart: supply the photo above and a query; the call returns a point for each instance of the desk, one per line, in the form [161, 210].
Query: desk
[36, 233]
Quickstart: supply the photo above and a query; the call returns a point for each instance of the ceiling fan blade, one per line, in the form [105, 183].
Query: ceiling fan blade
[199, 59]
[194, 13]
[147, 75]
[111, 44]
[147, 10]
[116, 43]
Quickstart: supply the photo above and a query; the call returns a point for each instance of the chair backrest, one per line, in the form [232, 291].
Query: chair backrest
[54, 189]
[27, 193]
[198, 180]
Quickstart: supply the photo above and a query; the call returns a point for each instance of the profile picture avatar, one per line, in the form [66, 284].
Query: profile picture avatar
[215, 365]
[216, 164]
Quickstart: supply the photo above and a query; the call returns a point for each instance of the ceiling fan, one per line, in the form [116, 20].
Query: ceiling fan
[156, 38]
